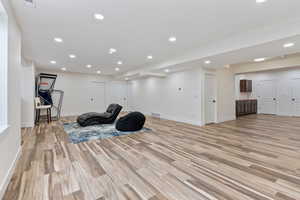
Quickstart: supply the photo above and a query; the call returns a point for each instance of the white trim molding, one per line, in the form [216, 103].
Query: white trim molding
[3, 65]
[3, 129]
[27, 124]
[9, 174]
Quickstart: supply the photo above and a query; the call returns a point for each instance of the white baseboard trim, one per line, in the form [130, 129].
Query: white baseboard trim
[27, 124]
[71, 114]
[226, 118]
[187, 121]
[183, 120]
[9, 174]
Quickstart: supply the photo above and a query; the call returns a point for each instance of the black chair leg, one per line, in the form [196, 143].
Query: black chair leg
[38, 116]
[50, 118]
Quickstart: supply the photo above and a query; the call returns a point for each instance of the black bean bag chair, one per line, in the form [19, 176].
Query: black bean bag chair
[93, 118]
[132, 122]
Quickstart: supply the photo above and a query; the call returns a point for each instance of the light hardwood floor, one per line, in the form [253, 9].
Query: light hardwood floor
[255, 157]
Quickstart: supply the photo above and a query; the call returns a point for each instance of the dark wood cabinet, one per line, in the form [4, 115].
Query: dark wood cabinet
[245, 85]
[246, 107]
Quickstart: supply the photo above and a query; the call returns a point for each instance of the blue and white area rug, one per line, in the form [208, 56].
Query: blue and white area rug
[79, 134]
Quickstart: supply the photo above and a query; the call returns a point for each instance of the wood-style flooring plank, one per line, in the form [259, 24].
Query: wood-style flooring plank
[256, 157]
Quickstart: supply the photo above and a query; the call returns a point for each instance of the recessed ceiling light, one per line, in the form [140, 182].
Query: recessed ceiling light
[172, 39]
[126, 79]
[120, 62]
[72, 56]
[207, 62]
[98, 16]
[261, 1]
[64, 69]
[167, 70]
[112, 51]
[117, 69]
[150, 57]
[57, 39]
[88, 66]
[287, 45]
[98, 72]
[53, 62]
[259, 59]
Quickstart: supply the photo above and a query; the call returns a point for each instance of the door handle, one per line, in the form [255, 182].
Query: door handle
[274, 99]
[214, 101]
[293, 99]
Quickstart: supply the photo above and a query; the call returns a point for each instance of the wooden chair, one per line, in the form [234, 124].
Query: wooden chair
[39, 107]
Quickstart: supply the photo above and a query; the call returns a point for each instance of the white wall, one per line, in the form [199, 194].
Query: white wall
[152, 95]
[3, 68]
[225, 95]
[10, 139]
[28, 94]
[76, 88]
[163, 96]
[170, 106]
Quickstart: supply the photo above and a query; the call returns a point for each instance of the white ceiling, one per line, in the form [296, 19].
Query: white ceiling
[268, 51]
[139, 28]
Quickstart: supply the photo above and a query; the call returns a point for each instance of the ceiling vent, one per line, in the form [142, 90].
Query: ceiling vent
[29, 3]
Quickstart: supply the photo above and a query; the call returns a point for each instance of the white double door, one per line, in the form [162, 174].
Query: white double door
[98, 95]
[95, 97]
[280, 97]
[295, 97]
[267, 97]
[118, 93]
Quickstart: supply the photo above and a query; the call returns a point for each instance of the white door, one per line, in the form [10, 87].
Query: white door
[96, 97]
[295, 84]
[210, 99]
[130, 100]
[284, 98]
[118, 94]
[267, 97]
